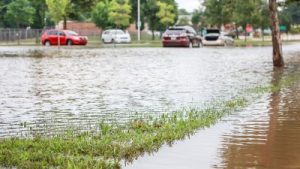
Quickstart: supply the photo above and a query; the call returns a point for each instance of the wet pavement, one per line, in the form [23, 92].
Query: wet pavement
[81, 87]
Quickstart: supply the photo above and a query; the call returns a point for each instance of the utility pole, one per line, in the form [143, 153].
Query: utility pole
[139, 20]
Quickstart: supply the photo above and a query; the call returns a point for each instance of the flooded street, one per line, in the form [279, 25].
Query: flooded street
[79, 88]
[264, 135]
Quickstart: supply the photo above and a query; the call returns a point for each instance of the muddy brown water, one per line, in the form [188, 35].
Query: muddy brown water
[78, 88]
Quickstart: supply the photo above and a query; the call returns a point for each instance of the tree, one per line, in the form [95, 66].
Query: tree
[100, 14]
[119, 13]
[150, 12]
[261, 18]
[19, 13]
[183, 11]
[216, 11]
[3, 9]
[57, 9]
[276, 40]
[183, 21]
[40, 13]
[165, 14]
[196, 19]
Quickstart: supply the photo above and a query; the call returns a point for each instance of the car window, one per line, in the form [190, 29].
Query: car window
[62, 34]
[191, 30]
[120, 32]
[106, 32]
[71, 33]
[52, 33]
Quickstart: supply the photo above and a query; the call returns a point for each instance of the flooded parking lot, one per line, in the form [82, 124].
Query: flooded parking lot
[81, 87]
[264, 135]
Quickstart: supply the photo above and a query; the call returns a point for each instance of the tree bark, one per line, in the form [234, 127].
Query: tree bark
[65, 23]
[153, 36]
[276, 39]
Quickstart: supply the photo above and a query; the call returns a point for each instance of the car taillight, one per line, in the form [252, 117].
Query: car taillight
[167, 38]
[181, 38]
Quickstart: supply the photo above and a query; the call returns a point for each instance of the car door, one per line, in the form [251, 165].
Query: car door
[62, 38]
[52, 37]
[108, 36]
[104, 36]
[113, 35]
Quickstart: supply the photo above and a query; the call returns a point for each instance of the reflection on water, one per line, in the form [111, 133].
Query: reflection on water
[271, 139]
[264, 135]
[81, 87]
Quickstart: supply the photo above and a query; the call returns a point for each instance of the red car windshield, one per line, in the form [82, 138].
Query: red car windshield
[71, 33]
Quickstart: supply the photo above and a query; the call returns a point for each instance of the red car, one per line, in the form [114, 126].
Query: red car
[66, 37]
[181, 36]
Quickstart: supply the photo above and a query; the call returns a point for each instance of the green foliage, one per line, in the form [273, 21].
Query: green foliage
[254, 12]
[151, 9]
[183, 12]
[196, 17]
[295, 30]
[165, 13]
[293, 12]
[134, 16]
[119, 13]
[100, 14]
[57, 9]
[40, 14]
[19, 13]
[216, 11]
[81, 9]
[183, 21]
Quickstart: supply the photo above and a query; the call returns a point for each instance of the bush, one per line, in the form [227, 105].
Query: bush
[295, 30]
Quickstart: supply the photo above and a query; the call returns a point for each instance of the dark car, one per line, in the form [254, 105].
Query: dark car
[66, 37]
[181, 36]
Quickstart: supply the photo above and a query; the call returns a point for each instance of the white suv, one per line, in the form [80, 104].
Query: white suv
[115, 36]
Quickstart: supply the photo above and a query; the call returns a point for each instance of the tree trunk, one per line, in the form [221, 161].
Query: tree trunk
[153, 36]
[65, 23]
[262, 34]
[237, 32]
[277, 45]
[246, 33]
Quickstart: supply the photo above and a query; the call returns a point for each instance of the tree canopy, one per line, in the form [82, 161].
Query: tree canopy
[19, 13]
[57, 9]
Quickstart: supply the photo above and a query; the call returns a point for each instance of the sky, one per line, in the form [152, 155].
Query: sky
[189, 5]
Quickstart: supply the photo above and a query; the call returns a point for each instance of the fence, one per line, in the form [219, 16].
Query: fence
[32, 36]
[20, 36]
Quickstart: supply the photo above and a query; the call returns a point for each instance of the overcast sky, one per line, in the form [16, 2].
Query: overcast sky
[189, 5]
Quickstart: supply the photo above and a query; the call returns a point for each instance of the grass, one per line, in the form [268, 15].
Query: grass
[250, 42]
[116, 142]
[112, 143]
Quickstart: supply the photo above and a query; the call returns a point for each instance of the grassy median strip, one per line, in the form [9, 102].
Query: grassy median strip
[116, 142]
[112, 144]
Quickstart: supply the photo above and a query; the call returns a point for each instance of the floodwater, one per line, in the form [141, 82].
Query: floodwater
[264, 135]
[80, 87]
